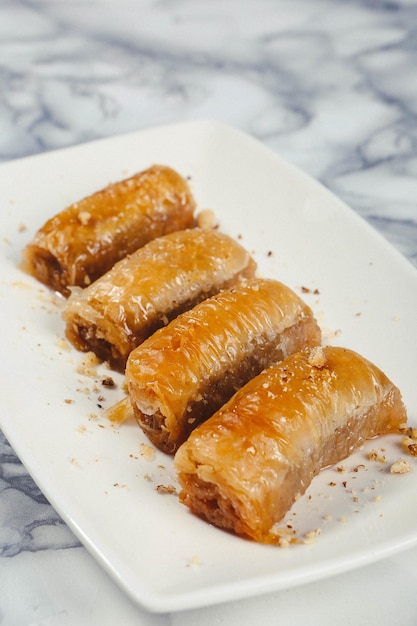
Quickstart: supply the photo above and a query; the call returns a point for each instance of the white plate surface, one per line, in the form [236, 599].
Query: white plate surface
[100, 478]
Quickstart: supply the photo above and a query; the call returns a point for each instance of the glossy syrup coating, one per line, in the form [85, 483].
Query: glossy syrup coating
[82, 242]
[187, 370]
[244, 468]
[148, 288]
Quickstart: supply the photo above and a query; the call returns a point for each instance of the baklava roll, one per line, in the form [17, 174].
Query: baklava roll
[82, 242]
[183, 373]
[243, 468]
[148, 288]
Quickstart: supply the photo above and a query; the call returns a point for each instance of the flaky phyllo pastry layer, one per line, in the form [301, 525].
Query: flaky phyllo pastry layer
[185, 371]
[244, 467]
[80, 243]
[223, 369]
[147, 289]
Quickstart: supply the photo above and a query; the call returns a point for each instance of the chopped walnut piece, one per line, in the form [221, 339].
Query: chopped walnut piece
[285, 536]
[283, 542]
[121, 411]
[410, 431]
[409, 442]
[88, 365]
[108, 381]
[375, 456]
[400, 467]
[412, 448]
[166, 489]
[317, 357]
[206, 219]
[304, 289]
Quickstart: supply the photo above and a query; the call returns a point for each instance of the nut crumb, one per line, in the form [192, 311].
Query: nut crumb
[88, 365]
[409, 442]
[108, 381]
[412, 448]
[283, 542]
[206, 219]
[317, 357]
[312, 535]
[164, 489]
[375, 456]
[400, 467]
[410, 431]
[304, 289]
[285, 536]
[147, 451]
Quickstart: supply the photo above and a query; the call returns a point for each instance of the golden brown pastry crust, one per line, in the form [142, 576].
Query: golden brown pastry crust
[244, 467]
[187, 370]
[145, 290]
[81, 243]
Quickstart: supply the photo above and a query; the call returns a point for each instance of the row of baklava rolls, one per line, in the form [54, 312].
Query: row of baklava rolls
[224, 369]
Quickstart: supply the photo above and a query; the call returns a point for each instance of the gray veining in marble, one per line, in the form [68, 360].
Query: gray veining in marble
[27, 521]
[330, 85]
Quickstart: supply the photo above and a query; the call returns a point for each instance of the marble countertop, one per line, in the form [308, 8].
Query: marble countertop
[332, 87]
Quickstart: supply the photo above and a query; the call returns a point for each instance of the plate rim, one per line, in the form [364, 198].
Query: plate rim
[178, 602]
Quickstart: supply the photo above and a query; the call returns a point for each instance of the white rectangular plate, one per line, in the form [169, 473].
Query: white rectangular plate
[101, 479]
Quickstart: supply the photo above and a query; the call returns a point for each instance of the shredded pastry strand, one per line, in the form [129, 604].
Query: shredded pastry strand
[82, 242]
[148, 288]
[243, 468]
[184, 372]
